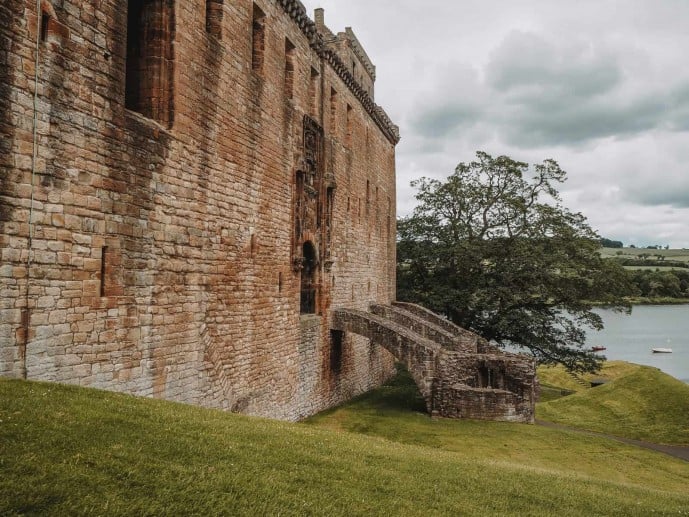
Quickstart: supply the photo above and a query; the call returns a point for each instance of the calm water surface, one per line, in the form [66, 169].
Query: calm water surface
[631, 337]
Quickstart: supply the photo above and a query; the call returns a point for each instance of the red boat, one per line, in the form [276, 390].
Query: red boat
[597, 348]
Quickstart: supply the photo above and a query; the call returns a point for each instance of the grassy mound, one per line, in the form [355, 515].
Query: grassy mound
[640, 402]
[558, 379]
[73, 451]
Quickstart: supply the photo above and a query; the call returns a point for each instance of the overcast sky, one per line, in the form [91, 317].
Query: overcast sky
[600, 86]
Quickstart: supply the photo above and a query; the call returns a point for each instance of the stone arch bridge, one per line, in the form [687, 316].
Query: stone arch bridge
[459, 374]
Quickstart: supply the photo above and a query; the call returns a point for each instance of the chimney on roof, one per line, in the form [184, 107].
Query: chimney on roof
[319, 16]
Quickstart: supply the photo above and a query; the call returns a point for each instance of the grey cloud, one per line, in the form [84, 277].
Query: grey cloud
[661, 192]
[547, 93]
[528, 64]
[534, 124]
[679, 109]
[443, 120]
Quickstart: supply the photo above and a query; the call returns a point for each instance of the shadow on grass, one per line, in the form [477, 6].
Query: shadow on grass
[549, 393]
[400, 394]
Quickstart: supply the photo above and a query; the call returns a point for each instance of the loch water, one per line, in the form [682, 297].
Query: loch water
[630, 337]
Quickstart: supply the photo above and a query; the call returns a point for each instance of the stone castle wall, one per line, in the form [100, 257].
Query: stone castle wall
[157, 242]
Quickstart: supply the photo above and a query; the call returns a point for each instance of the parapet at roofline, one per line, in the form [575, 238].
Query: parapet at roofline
[296, 10]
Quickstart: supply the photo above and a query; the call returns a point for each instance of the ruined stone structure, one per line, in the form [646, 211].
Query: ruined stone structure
[459, 374]
[198, 204]
[192, 189]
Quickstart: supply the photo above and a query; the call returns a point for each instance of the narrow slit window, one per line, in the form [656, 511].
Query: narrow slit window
[45, 21]
[313, 92]
[258, 34]
[348, 137]
[289, 69]
[103, 269]
[333, 111]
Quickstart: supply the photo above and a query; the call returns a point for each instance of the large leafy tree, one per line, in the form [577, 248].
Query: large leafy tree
[494, 250]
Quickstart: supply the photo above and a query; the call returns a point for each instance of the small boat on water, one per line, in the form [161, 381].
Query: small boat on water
[597, 348]
[661, 350]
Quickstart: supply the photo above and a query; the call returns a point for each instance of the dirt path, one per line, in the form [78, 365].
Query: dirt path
[677, 451]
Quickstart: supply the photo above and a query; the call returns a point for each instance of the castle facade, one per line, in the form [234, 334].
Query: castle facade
[188, 189]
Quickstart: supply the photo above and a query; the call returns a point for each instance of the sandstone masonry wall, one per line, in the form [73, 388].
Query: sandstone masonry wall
[153, 250]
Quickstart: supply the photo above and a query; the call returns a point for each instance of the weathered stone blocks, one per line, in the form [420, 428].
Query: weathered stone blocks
[161, 253]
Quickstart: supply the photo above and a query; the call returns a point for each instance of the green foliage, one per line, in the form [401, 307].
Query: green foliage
[495, 251]
[643, 403]
[66, 450]
[657, 284]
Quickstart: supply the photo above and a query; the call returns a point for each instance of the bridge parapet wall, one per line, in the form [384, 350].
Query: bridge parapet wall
[468, 339]
[425, 327]
[462, 401]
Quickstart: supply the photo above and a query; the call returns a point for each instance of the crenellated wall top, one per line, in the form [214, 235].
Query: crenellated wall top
[296, 10]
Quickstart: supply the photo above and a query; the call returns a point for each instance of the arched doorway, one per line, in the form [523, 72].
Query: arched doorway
[308, 278]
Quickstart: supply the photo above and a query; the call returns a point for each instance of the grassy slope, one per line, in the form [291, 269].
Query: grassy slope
[558, 377]
[68, 450]
[641, 402]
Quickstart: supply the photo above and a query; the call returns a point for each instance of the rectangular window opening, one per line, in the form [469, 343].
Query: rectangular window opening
[150, 59]
[258, 34]
[214, 16]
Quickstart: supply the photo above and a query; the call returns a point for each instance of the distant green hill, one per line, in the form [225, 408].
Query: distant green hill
[641, 403]
[66, 450]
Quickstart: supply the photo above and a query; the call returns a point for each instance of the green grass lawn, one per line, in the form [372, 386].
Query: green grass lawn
[73, 451]
[641, 402]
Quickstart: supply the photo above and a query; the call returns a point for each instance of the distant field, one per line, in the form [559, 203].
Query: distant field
[634, 253]
[651, 267]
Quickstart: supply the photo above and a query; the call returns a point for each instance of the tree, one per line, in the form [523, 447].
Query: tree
[608, 243]
[498, 254]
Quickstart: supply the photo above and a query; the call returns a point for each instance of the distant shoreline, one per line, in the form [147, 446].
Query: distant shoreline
[648, 301]
[658, 301]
